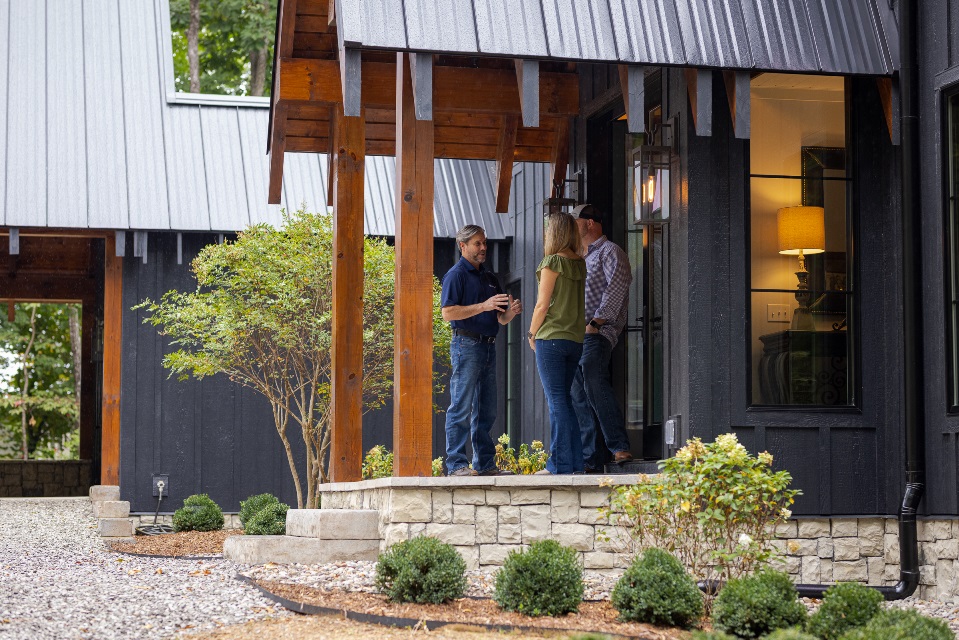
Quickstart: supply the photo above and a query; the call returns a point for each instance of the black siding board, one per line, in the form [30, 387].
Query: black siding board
[797, 451]
[853, 471]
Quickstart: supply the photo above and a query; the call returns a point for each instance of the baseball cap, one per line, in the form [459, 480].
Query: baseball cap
[587, 212]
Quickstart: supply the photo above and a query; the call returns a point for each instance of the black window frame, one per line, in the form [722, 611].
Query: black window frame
[950, 219]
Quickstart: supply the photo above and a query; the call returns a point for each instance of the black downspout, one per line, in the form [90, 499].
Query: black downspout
[911, 316]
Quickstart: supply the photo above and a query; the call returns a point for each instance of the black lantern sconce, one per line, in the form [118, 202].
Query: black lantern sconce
[648, 197]
[557, 202]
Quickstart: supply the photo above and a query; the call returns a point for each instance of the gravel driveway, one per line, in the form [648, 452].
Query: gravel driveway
[58, 580]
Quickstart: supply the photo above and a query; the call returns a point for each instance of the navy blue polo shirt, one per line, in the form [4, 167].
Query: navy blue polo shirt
[464, 285]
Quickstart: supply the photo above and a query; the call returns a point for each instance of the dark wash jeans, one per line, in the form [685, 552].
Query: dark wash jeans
[557, 361]
[472, 405]
[594, 401]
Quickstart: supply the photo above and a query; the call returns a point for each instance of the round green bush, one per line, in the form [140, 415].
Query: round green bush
[712, 635]
[421, 570]
[792, 633]
[544, 580]
[199, 513]
[251, 505]
[900, 624]
[656, 589]
[268, 521]
[756, 605]
[845, 606]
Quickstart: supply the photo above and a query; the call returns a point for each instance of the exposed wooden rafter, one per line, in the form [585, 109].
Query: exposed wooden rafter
[633, 81]
[559, 157]
[737, 93]
[699, 84]
[527, 78]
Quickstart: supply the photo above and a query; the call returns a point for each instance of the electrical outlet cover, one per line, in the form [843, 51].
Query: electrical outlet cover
[165, 478]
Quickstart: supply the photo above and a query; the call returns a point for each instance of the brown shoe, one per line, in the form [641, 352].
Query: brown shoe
[622, 456]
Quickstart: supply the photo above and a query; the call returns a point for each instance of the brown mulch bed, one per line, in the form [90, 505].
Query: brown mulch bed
[592, 616]
[184, 543]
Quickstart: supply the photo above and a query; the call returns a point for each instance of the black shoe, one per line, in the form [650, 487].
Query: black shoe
[591, 470]
[496, 472]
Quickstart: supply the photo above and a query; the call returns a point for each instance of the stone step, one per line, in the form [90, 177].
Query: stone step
[104, 492]
[333, 524]
[289, 549]
[115, 528]
[111, 509]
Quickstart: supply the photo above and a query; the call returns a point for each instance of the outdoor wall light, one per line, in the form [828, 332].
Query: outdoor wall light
[648, 184]
[802, 231]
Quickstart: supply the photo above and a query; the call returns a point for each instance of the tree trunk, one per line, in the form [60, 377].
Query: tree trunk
[258, 71]
[76, 349]
[193, 46]
[26, 383]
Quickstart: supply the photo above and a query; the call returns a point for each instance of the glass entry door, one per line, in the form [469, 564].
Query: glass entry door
[646, 232]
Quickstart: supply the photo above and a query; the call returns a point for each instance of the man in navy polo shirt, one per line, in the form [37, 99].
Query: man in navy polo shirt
[475, 305]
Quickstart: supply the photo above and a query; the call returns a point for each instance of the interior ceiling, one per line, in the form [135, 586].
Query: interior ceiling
[781, 83]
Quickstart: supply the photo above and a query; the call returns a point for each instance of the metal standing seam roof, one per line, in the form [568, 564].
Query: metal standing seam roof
[828, 36]
[89, 137]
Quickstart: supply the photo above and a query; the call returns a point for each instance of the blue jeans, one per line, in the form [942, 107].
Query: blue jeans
[594, 402]
[557, 361]
[472, 404]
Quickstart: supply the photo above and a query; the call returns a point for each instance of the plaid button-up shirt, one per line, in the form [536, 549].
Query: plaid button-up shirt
[608, 277]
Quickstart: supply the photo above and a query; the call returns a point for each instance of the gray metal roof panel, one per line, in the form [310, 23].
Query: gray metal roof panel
[66, 204]
[26, 142]
[303, 181]
[255, 168]
[516, 29]
[189, 202]
[646, 31]
[223, 162]
[464, 195]
[378, 22]
[143, 120]
[106, 148]
[437, 25]
[379, 206]
[579, 29]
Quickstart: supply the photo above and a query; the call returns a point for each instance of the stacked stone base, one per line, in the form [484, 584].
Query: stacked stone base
[44, 478]
[112, 514]
[824, 551]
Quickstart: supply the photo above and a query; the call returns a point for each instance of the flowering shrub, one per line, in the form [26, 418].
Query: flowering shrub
[532, 458]
[714, 506]
[438, 467]
[378, 463]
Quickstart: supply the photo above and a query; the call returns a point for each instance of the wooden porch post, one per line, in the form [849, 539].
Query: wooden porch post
[349, 151]
[112, 336]
[413, 310]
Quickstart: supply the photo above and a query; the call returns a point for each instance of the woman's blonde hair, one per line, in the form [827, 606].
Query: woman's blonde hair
[561, 233]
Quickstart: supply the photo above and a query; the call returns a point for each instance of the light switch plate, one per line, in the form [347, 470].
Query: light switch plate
[777, 313]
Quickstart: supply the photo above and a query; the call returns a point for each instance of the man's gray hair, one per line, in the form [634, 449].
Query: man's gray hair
[467, 232]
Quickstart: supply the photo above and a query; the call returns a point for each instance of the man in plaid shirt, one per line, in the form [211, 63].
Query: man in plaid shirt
[608, 277]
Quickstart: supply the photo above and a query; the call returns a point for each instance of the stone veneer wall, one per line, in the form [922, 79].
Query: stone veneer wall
[44, 478]
[822, 551]
[230, 520]
[486, 518]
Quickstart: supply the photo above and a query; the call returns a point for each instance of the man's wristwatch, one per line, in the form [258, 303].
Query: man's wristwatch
[594, 324]
[529, 335]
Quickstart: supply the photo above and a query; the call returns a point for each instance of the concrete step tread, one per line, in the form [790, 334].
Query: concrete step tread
[333, 524]
[292, 549]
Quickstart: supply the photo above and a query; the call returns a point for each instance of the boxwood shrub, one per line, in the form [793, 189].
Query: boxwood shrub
[792, 633]
[656, 589]
[268, 521]
[250, 506]
[198, 513]
[900, 624]
[544, 580]
[756, 605]
[422, 570]
[844, 606]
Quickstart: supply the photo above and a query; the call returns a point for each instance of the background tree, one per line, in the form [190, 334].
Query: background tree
[261, 314]
[39, 401]
[233, 44]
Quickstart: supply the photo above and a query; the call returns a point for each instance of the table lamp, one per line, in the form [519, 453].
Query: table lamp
[802, 231]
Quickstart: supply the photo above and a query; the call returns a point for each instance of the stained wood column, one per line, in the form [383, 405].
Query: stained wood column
[349, 159]
[112, 336]
[413, 312]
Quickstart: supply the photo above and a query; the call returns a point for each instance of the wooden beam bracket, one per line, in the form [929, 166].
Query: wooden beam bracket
[699, 84]
[505, 152]
[737, 93]
[527, 76]
[632, 78]
[421, 70]
[889, 95]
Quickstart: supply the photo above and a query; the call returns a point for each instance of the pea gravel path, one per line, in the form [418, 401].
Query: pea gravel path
[58, 580]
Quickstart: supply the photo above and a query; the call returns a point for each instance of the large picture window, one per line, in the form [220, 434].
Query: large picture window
[952, 231]
[800, 228]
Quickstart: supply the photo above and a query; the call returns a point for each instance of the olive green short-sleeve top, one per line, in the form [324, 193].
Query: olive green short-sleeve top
[567, 307]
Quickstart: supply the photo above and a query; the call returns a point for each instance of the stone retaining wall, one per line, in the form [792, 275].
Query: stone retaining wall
[230, 520]
[44, 478]
[486, 518]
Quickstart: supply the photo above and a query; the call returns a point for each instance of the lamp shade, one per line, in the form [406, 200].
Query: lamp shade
[801, 230]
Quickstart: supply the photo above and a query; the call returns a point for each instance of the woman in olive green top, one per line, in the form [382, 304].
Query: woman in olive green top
[556, 335]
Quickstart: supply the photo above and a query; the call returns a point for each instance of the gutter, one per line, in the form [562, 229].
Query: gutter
[911, 317]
